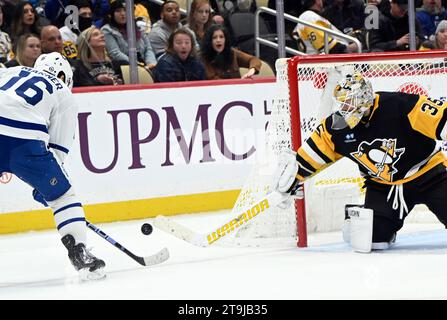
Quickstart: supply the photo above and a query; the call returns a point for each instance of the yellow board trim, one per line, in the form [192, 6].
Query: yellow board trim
[124, 210]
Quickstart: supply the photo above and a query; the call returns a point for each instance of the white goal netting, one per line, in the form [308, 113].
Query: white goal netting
[312, 81]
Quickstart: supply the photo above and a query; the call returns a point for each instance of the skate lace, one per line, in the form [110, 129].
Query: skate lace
[399, 200]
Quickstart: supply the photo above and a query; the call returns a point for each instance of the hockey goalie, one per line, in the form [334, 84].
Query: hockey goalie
[393, 140]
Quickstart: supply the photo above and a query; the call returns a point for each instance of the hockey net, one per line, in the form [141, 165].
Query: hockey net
[304, 86]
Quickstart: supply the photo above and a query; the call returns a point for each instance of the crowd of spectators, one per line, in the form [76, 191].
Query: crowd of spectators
[201, 45]
[379, 25]
[92, 35]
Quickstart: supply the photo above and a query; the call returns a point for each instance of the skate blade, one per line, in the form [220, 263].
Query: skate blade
[86, 275]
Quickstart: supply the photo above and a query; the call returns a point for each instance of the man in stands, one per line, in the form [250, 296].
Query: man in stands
[402, 163]
[51, 39]
[392, 33]
[71, 31]
[429, 15]
[162, 29]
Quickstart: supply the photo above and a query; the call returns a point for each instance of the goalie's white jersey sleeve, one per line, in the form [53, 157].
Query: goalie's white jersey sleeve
[36, 105]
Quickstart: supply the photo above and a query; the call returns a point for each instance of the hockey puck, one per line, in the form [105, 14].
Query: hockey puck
[146, 229]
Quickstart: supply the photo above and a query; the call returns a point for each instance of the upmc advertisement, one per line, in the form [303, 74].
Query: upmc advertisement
[150, 150]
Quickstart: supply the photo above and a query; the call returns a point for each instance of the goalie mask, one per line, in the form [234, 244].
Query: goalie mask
[57, 65]
[353, 97]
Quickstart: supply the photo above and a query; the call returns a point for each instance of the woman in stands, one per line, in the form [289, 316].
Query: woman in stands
[221, 60]
[26, 52]
[199, 19]
[115, 32]
[93, 66]
[25, 20]
[180, 61]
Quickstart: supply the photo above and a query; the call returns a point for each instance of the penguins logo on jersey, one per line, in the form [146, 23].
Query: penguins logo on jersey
[379, 157]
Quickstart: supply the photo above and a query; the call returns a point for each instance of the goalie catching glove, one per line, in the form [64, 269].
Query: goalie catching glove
[285, 177]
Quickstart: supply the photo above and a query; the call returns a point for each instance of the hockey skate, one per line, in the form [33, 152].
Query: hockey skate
[88, 266]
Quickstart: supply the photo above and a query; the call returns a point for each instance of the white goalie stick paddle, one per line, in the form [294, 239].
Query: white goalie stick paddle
[262, 206]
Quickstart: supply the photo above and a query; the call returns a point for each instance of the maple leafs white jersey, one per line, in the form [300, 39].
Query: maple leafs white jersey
[38, 106]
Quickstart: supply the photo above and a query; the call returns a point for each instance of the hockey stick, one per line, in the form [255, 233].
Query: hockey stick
[156, 258]
[271, 200]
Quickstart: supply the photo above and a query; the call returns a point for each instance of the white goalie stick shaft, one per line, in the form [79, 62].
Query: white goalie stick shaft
[156, 258]
[262, 206]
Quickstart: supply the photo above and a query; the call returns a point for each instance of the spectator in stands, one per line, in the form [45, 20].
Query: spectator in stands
[393, 31]
[346, 15]
[163, 28]
[26, 52]
[5, 42]
[312, 38]
[199, 19]
[71, 31]
[180, 61]
[115, 33]
[93, 66]
[440, 39]
[221, 60]
[429, 15]
[25, 21]
[51, 39]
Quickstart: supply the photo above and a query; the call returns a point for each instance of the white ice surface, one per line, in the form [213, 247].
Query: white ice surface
[34, 265]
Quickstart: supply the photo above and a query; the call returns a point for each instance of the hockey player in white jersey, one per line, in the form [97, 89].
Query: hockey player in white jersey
[38, 118]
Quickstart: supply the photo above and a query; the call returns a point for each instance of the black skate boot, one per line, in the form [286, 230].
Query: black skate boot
[88, 266]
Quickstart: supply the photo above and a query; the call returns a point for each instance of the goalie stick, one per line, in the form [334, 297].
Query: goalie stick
[204, 240]
[156, 258]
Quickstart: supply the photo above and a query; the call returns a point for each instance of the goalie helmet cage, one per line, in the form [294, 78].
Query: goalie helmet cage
[305, 85]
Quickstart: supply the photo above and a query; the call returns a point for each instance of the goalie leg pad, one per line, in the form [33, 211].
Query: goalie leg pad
[359, 231]
[346, 229]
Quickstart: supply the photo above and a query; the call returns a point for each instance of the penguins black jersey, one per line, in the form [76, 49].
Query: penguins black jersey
[396, 144]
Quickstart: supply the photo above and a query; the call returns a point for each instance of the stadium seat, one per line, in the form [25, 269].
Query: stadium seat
[265, 71]
[144, 76]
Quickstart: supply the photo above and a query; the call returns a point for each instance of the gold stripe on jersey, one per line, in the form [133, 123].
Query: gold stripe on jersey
[428, 117]
[434, 161]
[310, 158]
[323, 140]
